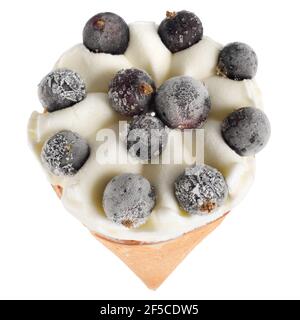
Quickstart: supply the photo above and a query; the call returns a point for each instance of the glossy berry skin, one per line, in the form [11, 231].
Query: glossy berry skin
[180, 30]
[201, 189]
[131, 92]
[147, 136]
[246, 130]
[106, 32]
[65, 153]
[61, 88]
[128, 200]
[237, 61]
[183, 102]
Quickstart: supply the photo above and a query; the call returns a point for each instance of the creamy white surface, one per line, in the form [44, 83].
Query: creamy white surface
[82, 194]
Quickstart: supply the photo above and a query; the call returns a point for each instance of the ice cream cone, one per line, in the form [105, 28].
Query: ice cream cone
[154, 262]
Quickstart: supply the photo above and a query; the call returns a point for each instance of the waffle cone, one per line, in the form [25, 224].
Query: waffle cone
[154, 262]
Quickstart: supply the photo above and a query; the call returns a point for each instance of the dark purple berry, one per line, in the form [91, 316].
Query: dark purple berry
[201, 189]
[131, 92]
[180, 30]
[246, 130]
[65, 153]
[183, 102]
[237, 61]
[147, 137]
[128, 200]
[60, 89]
[106, 32]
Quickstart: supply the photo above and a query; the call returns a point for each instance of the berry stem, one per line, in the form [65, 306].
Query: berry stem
[127, 223]
[220, 73]
[208, 206]
[146, 88]
[170, 14]
[100, 24]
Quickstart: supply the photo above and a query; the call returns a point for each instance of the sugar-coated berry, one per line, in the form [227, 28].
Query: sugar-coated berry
[246, 130]
[147, 136]
[180, 30]
[106, 32]
[60, 89]
[128, 200]
[183, 102]
[201, 189]
[65, 153]
[131, 92]
[237, 61]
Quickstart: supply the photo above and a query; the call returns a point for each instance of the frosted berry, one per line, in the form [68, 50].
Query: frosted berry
[237, 61]
[183, 102]
[201, 189]
[180, 30]
[246, 130]
[60, 89]
[106, 32]
[128, 200]
[131, 92]
[147, 137]
[65, 153]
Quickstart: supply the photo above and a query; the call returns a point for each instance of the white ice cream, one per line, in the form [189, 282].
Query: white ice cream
[82, 194]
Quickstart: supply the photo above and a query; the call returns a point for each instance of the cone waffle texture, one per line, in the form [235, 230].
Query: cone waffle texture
[153, 263]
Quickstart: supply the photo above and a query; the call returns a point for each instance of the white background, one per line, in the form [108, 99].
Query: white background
[46, 253]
